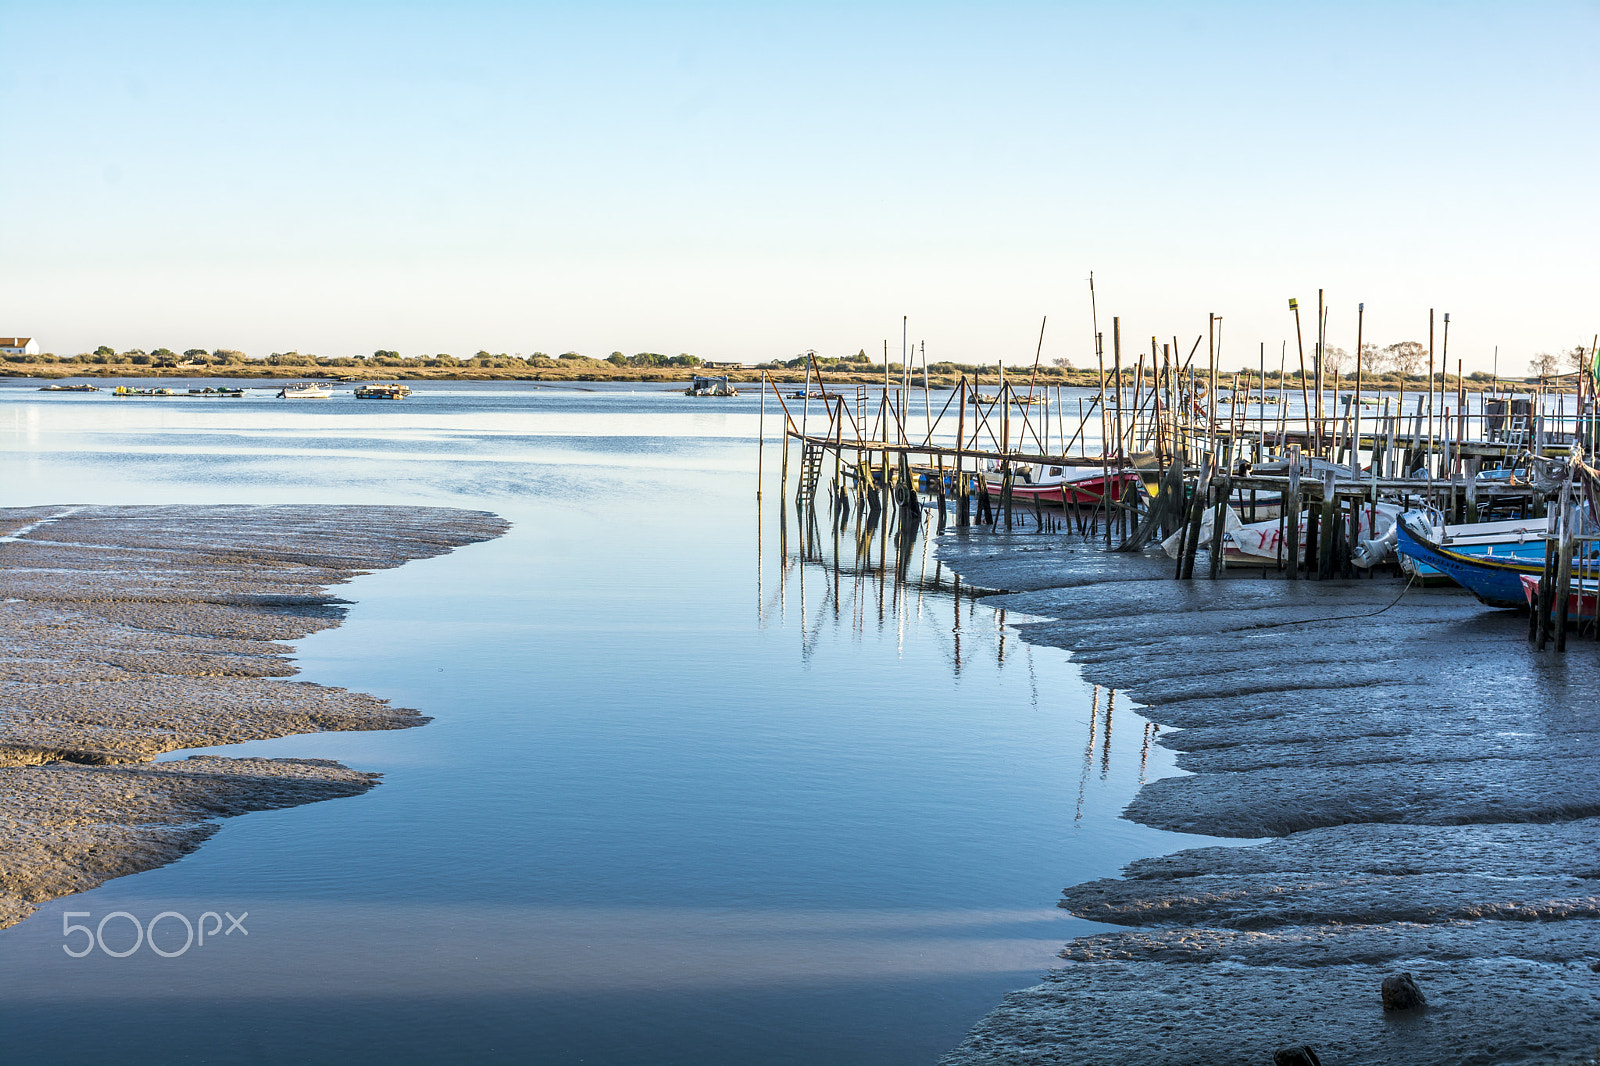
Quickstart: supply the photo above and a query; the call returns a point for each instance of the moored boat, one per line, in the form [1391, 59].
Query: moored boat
[1583, 601]
[304, 390]
[1267, 543]
[704, 386]
[1017, 400]
[1061, 486]
[1494, 579]
[1518, 538]
[379, 391]
[70, 388]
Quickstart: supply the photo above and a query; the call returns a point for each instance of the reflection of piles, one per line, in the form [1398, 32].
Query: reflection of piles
[1105, 749]
[1088, 751]
[1150, 731]
[853, 514]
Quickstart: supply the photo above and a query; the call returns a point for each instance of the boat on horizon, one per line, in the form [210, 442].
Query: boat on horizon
[1016, 400]
[304, 390]
[379, 391]
[707, 386]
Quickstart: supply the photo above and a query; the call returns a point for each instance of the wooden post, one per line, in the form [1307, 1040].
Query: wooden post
[1211, 386]
[1305, 395]
[1325, 526]
[1219, 524]
[1355, 425]
[961, 476]
[1191, 540]
[1291, 507]
[1563, 590]
[1322, 441]
[1444, 379]
[761, 436]
[1541, 602]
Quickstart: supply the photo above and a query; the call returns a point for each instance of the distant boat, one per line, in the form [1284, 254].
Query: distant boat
[375, 391]
[70, 388]
[304, 390]
[1016, 400]
[702, 386]
[128, 390]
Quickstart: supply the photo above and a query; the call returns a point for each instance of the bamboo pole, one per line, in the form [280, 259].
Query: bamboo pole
[1116, 381]
[1283, 401]
[1261, 426]
[1432, 442]
[1211, 385]
[1355, 424]
[961, 479]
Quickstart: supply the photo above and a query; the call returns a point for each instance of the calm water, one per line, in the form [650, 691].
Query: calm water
[685, 799]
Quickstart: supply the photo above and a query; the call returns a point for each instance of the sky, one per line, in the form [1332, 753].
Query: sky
[749, 181]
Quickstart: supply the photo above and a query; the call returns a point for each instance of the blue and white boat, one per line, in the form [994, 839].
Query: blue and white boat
[1517, 538]
[1494, 576]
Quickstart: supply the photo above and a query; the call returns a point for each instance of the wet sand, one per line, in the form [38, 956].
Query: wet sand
[1427, 784]
[136, 631]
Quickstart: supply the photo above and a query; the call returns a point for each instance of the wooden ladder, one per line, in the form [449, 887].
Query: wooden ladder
[810, 473]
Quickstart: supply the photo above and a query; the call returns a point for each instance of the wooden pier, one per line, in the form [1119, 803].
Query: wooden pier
[1166, 442]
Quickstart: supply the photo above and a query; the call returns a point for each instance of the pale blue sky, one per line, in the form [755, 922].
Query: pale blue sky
[749, 182]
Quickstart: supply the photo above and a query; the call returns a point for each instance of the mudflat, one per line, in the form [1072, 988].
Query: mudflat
[1426, 786]
[137, 631]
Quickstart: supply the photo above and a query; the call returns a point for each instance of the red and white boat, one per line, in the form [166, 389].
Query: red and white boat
[1582, 601]
[1061, 485]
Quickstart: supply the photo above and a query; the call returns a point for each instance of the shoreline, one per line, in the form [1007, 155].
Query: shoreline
[140, 631]
[1048, 377]
[1421, 786]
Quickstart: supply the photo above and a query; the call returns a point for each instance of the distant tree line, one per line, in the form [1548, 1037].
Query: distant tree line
[1402, 361]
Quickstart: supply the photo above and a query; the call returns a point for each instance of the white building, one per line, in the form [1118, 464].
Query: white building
[18, 346]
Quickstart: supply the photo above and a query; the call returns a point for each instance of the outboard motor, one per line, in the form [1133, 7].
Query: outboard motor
[1374, 550]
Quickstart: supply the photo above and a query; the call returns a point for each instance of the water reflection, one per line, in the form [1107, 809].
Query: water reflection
[646, 823]
[843, 550]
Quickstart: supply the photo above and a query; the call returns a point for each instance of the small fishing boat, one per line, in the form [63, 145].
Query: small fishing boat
[128, 390]
[375, 391]
[304, 390]
[1016, 400]
[1266, 543]
[814, 394]
[1059, 486]
[929, 480]
[1583, 601]
[704, 386]
[1517, 538]
[1495, 579]
[70, 388]
[208, 391]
